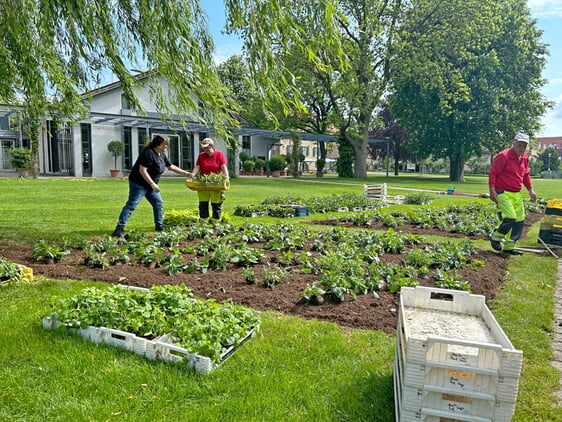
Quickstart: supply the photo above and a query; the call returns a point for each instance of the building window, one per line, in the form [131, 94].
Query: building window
[128, 141]
[143, 139]
[86, 143]
[247, 144]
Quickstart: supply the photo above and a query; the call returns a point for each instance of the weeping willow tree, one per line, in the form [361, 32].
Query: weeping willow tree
[51, 51]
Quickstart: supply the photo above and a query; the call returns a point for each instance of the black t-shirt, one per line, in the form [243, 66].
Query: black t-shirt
[156, 165]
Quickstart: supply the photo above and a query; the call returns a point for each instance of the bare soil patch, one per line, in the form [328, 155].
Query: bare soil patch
[366, 311]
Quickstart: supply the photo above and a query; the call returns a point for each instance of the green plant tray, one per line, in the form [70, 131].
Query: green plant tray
[193, 185]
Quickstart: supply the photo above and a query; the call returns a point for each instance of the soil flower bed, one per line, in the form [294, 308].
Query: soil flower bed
[376, 310]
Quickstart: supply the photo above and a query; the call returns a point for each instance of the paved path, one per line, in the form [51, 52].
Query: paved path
[557, 338]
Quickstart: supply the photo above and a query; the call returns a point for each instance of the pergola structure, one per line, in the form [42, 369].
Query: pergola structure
[175, 123]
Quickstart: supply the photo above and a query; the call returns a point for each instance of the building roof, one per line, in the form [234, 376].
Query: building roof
[550, 142]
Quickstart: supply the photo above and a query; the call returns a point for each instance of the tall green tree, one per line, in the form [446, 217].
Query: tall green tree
[51, 51]
[347, 42]
[550, 160]
[467, 76]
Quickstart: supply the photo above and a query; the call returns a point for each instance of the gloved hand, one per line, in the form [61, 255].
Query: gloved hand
[155, 187]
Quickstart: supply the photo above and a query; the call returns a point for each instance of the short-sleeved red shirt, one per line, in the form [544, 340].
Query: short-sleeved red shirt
[210, 163]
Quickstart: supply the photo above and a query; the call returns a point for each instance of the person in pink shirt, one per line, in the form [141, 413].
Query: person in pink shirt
[210, 161]
[508, 174]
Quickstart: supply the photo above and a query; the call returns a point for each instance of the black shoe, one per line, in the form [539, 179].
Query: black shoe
[118, 232]
[513, 252]
[159, 228]
[496, 245]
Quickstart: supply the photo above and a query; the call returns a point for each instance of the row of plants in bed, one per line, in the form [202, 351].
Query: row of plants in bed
[472, 220]
[273, 206]
[202, 327]
[345, 262]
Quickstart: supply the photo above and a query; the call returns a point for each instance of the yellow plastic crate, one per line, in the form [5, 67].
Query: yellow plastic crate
[194, 185]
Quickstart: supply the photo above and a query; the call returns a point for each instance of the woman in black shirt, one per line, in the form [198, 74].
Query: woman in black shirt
[143, 183]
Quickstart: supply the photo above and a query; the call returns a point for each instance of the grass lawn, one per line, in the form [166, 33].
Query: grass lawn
[293, 370]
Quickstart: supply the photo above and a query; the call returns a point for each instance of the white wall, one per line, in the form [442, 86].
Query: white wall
[102, 160]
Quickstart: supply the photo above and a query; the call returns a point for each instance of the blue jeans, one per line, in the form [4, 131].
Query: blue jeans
[136, 193]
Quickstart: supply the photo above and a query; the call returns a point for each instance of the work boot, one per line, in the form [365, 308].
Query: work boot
[496, 242]
[217, 208]
[118, 232]
[513, 252]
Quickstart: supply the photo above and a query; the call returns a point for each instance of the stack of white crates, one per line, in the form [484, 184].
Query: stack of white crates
[453, 361]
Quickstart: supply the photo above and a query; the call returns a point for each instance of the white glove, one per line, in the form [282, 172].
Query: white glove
[155, 187]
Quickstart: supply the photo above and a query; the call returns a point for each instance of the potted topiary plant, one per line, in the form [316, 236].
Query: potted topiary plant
[21, 160]
[276, 164]
[116, 148]
[260, 165]
[249, 166]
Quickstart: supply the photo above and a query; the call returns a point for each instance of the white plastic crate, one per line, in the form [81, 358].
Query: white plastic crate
[439, 377]
[159, 348]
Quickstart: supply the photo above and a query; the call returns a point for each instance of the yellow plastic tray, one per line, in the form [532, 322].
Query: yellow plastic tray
[193, 185]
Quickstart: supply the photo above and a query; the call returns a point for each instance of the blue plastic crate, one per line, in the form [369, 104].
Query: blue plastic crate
[301, 211]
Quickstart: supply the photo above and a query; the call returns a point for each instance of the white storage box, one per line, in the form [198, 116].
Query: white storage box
[159, 348]
[453, 360]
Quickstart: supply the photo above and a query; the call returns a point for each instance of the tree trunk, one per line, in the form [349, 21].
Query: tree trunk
[456, 173]
[360, 164]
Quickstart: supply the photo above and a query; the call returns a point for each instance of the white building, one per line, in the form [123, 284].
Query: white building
[80, 150]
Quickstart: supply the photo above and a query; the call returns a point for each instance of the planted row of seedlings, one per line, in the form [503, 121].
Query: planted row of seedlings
[344, 262]
[472, 220]
[276, 206]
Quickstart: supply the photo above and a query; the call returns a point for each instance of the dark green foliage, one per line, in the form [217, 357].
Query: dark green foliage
[344, 163]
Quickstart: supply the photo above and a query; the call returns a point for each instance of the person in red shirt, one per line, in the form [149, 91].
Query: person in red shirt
[210, 161]
[508, 173]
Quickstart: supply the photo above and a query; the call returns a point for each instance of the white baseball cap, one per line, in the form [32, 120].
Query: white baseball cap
[522, 137]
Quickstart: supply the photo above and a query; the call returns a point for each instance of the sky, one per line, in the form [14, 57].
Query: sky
[549, 19]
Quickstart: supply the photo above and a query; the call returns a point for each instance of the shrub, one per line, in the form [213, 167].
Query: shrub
[249, 165]
[260, 164]
[277, 163]
[21, 157]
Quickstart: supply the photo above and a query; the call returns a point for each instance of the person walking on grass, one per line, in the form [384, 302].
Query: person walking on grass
[143, 183]
[210, 161]
[508, 174]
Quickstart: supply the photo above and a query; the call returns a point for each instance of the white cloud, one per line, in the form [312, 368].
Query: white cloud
[545, 8]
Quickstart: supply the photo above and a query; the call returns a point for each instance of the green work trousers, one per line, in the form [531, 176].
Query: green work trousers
[511, 212]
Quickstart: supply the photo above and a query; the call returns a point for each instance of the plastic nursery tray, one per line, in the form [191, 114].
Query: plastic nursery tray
[159, 348]
[194, 185]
